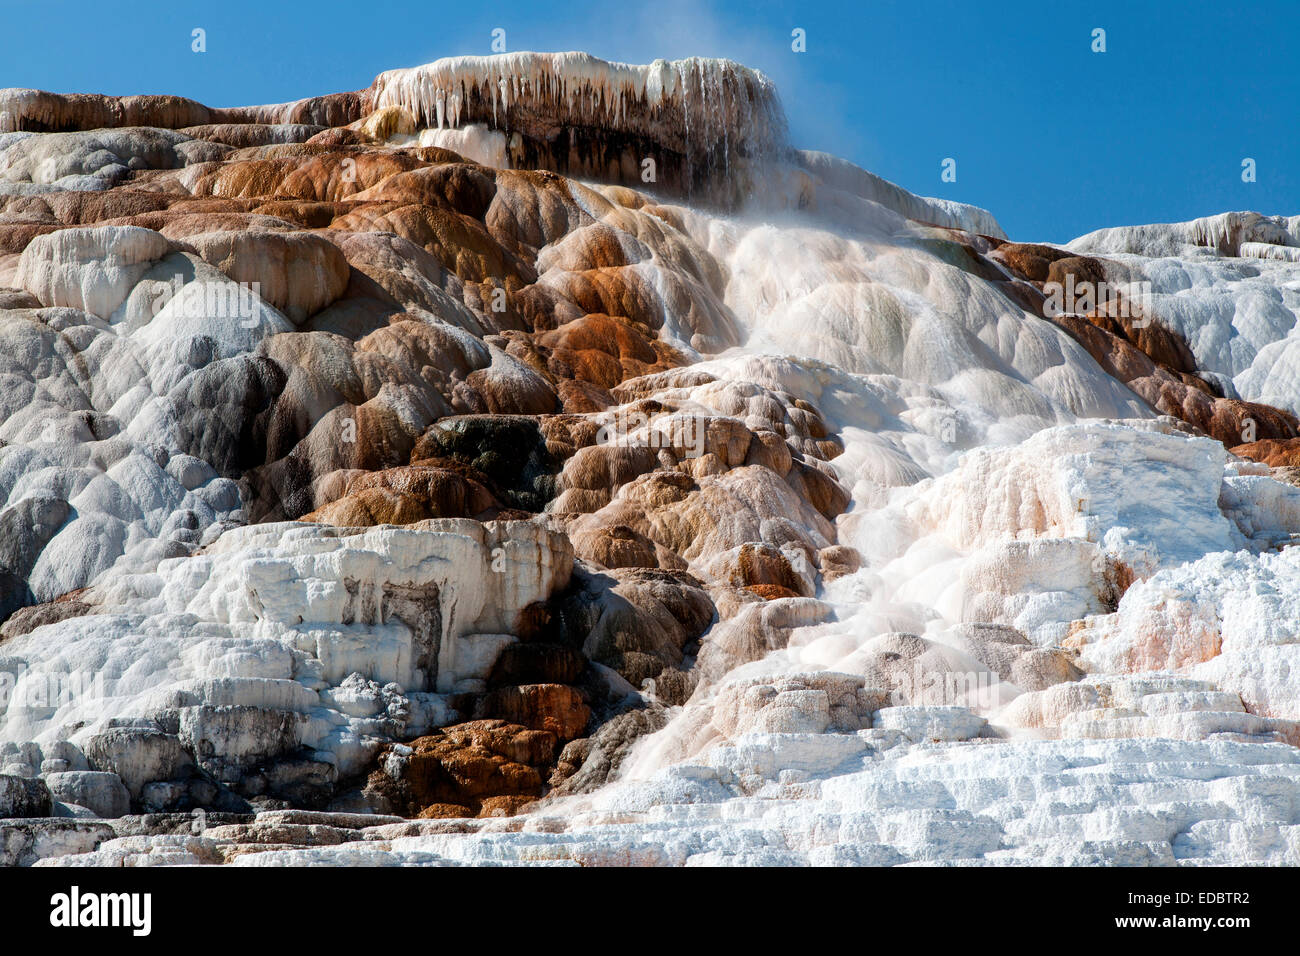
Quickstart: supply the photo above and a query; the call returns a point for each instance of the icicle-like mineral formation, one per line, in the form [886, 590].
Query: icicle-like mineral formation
[695, 118]
[1224, 233]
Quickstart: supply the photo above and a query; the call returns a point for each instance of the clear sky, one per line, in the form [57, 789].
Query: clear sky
[1054, 139]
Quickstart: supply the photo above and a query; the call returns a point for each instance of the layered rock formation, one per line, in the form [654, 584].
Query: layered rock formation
[403, 476]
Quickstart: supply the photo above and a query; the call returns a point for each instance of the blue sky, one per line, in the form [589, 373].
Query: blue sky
[1054, 139]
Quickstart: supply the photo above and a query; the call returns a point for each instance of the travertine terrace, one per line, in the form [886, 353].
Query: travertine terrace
[531, 458]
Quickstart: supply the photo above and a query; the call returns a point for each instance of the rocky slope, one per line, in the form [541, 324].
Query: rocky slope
[419, 475]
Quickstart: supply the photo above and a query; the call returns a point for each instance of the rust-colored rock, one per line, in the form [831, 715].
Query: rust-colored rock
[1029, 260]
[554, 708]
[771, 592]
[1276, 453]
[466, 769]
